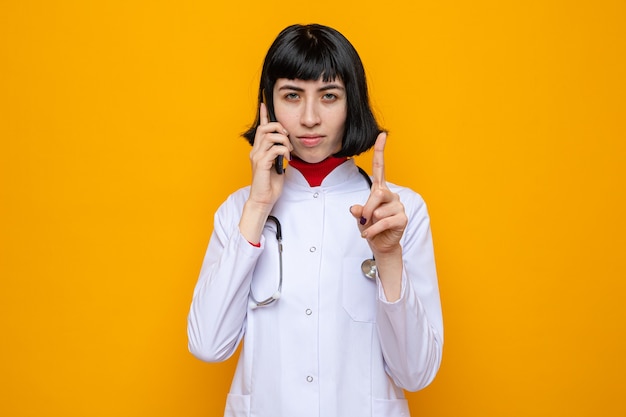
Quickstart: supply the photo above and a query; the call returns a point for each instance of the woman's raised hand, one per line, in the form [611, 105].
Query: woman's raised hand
[382, 221]
[266, 184]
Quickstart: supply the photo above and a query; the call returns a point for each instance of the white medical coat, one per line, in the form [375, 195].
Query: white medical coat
[331, 346]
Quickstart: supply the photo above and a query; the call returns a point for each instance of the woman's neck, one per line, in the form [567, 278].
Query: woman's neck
[316, 172]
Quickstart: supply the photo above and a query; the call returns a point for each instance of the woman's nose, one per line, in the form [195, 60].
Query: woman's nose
[310, 115]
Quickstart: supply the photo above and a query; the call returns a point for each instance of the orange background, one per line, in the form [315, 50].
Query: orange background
[119, 125]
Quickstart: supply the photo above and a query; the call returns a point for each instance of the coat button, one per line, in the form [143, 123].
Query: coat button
[308, 311]
[316, 195]
[309, 378]
[312, 249]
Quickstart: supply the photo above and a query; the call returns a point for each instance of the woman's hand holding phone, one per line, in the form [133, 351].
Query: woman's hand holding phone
[279, 161]
[267, 184]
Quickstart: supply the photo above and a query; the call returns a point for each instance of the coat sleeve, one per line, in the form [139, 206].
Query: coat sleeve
[217, 316]
[411, 329]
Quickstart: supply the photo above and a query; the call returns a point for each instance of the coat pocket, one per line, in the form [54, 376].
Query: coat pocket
[359, 293]
[398, 407]
[237, 405]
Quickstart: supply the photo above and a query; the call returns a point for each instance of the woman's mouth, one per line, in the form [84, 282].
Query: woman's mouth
[310, 140]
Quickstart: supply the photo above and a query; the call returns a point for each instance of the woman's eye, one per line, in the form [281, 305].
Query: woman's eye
[330, 97]
[291, 96]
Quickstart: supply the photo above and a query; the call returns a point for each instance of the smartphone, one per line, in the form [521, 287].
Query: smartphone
[278, 162]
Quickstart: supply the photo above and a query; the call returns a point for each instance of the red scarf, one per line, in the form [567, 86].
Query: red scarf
[315, 173]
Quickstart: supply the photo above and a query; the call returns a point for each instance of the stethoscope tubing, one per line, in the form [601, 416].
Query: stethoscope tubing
[368, 267]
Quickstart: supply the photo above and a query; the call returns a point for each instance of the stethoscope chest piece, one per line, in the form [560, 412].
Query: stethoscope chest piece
[369, 268]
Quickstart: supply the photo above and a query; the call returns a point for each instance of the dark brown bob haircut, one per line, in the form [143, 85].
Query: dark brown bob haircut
[311, 52]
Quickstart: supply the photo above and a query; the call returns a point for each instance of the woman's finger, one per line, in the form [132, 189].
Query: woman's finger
[378, 161]
[378, 196]
[263, 114]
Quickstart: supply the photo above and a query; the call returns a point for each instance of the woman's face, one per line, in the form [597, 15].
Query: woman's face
[314, 114]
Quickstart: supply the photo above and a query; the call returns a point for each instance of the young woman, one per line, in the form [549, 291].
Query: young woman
[290, 264]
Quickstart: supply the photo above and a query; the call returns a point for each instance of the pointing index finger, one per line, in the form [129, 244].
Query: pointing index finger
[263, 114]
[378, 161]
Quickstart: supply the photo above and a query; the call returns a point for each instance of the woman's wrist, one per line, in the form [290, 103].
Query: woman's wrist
[389, 266]
[253, 218]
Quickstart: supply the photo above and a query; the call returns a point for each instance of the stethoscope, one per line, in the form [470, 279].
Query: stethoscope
[368, 266]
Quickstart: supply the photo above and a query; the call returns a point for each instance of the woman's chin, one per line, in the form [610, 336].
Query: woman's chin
[311, 158]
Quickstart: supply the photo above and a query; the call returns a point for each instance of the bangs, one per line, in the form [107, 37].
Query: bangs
[308, 54]
[304, 63]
